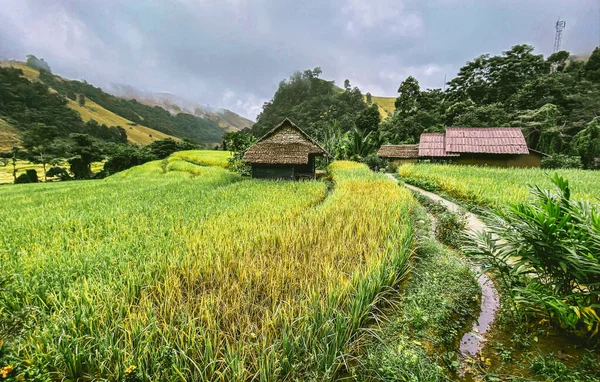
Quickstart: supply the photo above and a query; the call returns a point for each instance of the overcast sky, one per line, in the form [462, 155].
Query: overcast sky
[233, 53]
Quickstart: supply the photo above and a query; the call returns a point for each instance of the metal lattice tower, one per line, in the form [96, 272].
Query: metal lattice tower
[560, 26]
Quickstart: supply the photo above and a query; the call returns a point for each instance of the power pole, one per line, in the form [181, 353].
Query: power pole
[560, 26]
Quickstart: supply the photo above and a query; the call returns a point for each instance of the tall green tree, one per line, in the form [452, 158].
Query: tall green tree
[39, 140]
[587, 144]
[407, 101]
[592, 66]
[368, 120]
[83, 150]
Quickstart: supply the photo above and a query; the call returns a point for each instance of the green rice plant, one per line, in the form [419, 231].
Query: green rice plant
[496, 187]
[173, 271]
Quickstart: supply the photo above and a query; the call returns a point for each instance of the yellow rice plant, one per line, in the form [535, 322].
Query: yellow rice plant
[205, 157]
[495, 187]
[202, 277]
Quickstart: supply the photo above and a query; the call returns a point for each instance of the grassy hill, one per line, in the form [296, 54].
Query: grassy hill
[136, 133]
[9, 136]
[225, 119]
[386, 105]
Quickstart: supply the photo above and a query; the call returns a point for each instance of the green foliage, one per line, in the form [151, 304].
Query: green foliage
[407, 101]
[122, 157]
[181, 125]
[59, 172]
[82, 151]
[165, 147]
[561, 161]
[37, 63]
[368, 120]
[592, 66]
[312, 104]
[81, 100]
[587, 144]
[450, 227]
[551, 369]
[416, 340]
[237, 143]
[30, 176]
[545, 252]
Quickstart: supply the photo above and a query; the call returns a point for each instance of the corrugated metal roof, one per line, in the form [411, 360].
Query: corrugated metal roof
[398, 151]
[433, 145]
[485, 140]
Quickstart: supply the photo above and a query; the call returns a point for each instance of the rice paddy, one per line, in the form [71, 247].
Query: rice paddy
[495, 187]
[175, 271]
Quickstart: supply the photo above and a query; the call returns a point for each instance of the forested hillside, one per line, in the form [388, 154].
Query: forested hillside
[555, 100]
[312, 103]
[182, 125]
[25, 105]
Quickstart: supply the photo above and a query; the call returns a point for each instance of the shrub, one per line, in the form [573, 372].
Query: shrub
[375, 163]
[30, 176]
[450, 227]
[545, 252]
[58, 172]
[562, 161]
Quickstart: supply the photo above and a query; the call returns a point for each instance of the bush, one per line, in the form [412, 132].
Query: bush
[450, 227]
[426, 184]
[545, 253]
[30, 176]
[562, 161]
[58, 172]
[375, 163]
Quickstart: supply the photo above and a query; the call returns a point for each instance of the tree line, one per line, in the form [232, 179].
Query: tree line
[53, 135]
[555, 100]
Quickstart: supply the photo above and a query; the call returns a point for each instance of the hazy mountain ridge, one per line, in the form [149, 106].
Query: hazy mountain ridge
[225, 118]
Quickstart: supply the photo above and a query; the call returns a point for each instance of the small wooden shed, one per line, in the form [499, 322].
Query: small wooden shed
[285, 152]
[399, 154]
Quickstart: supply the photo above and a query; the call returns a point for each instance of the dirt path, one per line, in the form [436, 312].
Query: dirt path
[472, 342]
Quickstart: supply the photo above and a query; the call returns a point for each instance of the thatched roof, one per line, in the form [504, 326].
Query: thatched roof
[486, 140]
[285, 144]
[398, 151]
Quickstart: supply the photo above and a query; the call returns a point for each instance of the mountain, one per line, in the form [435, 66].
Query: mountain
[226, 119]
[136, 133]
[167, 116]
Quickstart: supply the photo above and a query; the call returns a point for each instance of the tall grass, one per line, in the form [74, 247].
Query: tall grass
[495, 187]
[205, 157]
[191, 273]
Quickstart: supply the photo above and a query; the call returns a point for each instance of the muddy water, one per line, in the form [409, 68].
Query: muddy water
[472, 342]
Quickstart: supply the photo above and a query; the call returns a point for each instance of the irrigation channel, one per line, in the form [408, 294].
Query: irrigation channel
[473, 341]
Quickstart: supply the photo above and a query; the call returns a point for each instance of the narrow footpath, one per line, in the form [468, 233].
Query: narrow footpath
[472, 342]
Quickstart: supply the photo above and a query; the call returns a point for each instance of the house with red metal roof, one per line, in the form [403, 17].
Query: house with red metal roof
[491, 146]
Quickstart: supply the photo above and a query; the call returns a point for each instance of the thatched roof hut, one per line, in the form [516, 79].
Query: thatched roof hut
[285, 152]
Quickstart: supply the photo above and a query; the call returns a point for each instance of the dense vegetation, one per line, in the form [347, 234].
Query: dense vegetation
[544, 254]
[554, 100]
[181, 125]
[166, 271]
[29, 105]
[311, 103]
[495, 187]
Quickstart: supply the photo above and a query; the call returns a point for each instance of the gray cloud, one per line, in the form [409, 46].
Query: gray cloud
[233, 53]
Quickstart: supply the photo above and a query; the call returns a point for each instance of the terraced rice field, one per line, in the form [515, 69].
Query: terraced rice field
[173, 271]
[495, 187]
